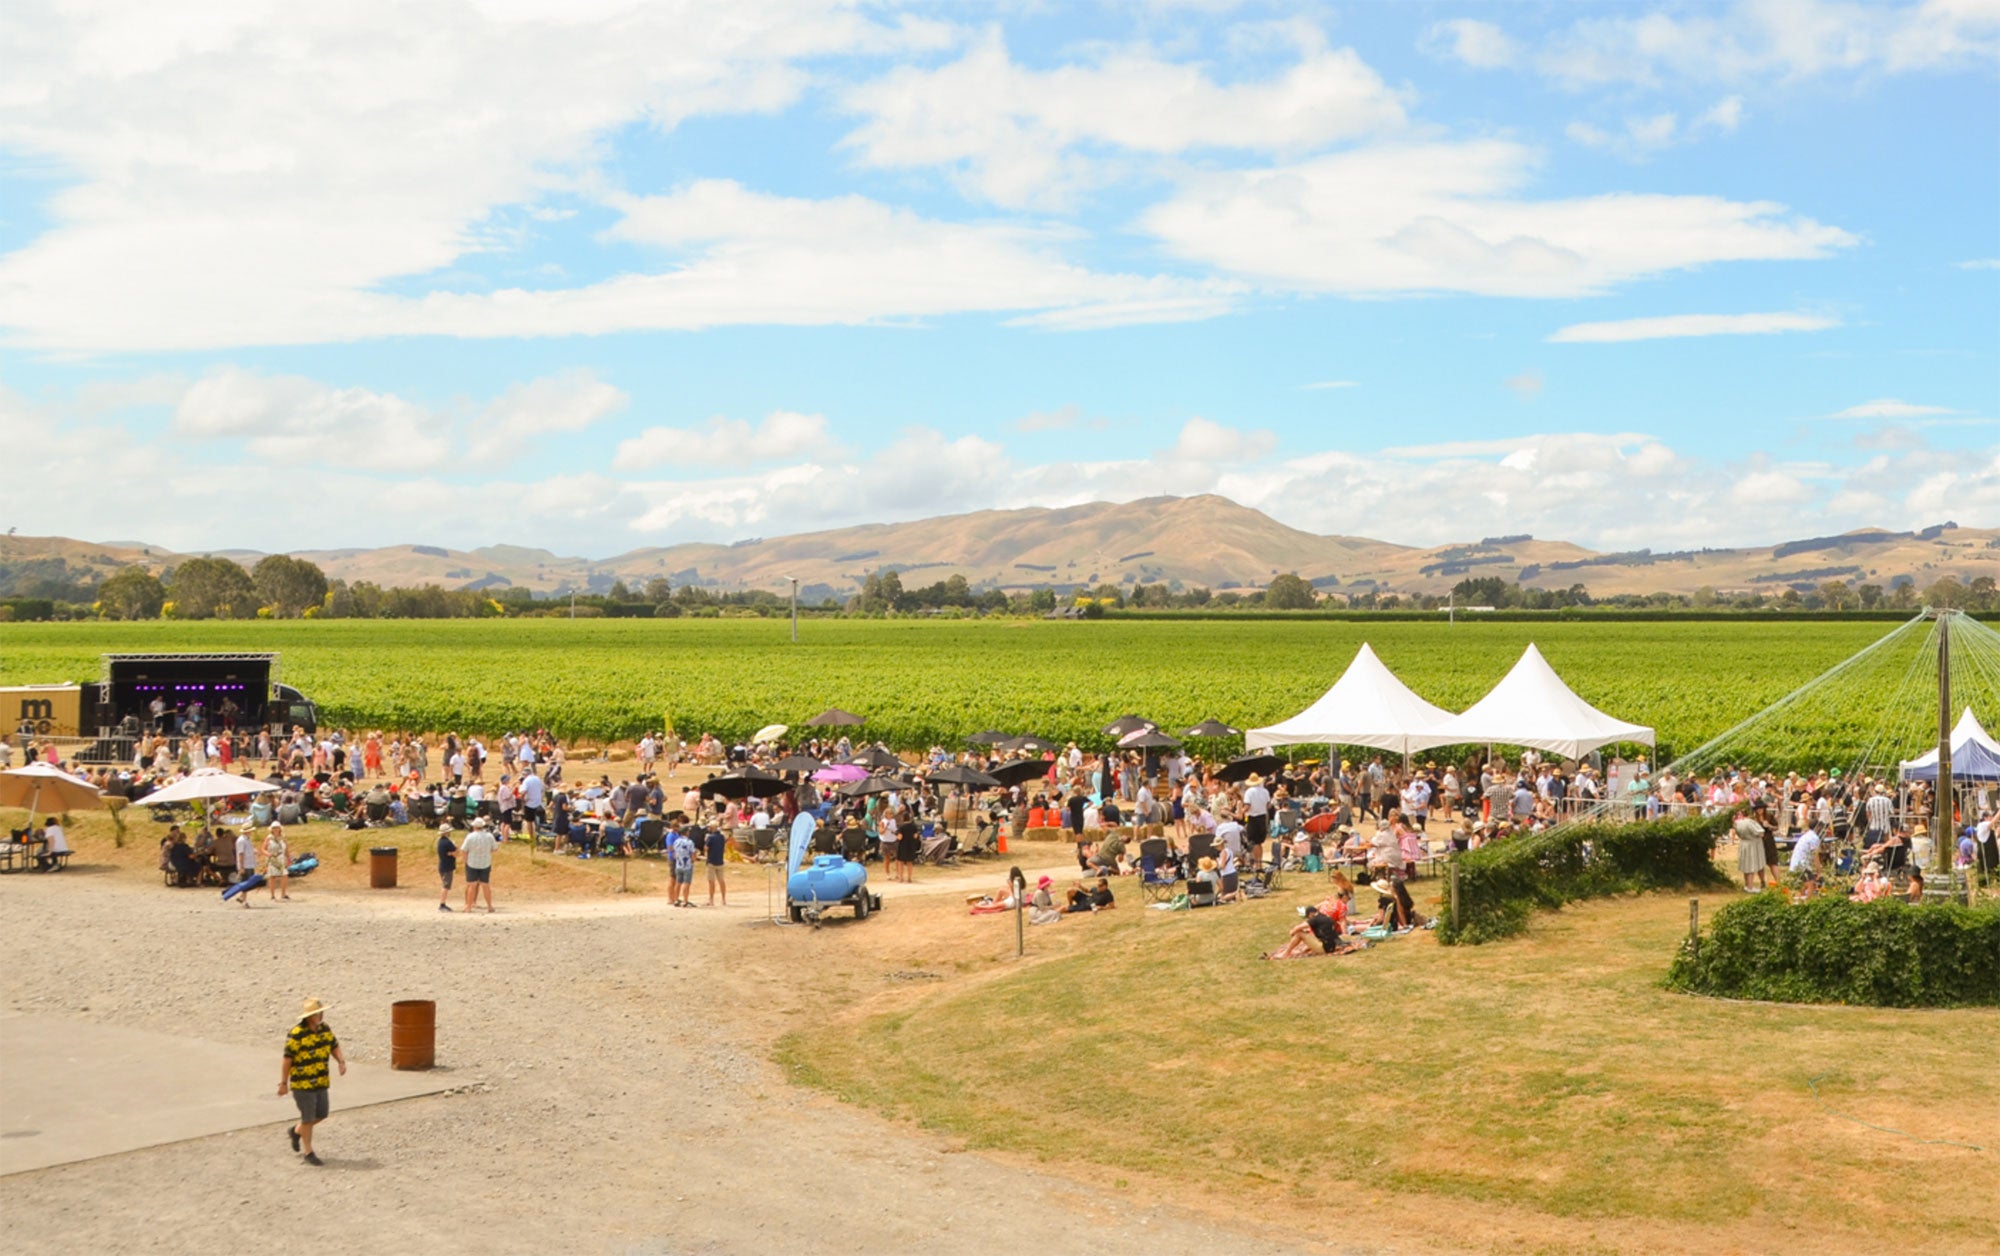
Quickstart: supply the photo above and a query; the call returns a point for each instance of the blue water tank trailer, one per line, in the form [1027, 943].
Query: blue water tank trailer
[830, 881]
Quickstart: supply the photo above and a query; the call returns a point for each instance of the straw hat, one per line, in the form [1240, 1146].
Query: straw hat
[310, 1008]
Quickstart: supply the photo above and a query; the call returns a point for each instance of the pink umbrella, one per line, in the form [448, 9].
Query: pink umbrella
[841, 772]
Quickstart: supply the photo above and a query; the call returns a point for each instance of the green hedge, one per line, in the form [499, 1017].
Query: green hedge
[1500, 885]
[1834, 950]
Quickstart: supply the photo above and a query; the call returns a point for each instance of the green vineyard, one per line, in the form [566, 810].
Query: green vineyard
[922, 682]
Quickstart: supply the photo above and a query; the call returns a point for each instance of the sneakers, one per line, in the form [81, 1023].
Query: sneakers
[294, 1132]
[444, 906]
[313, 1159]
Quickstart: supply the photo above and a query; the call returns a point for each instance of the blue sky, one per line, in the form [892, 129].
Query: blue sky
[599, 275]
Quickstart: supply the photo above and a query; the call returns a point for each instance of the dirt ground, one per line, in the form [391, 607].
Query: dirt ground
[614, 1091]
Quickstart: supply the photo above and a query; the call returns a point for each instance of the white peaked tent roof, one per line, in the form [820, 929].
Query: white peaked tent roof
[1967, 732]
[1367, 706]
[1531, 706]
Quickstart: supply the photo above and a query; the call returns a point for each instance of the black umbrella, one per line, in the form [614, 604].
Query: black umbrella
[797, 763]
[1030, 743]
[1126, 724]
[1148, 739]
[874, 785]
[874, 757]
[834, 717]
[1247, 766]
[1212, 728]
[990, 737]
[1020, 771]
[751, 782]
[957, 774]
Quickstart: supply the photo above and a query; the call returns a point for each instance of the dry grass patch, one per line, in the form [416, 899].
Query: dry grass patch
[1542, 1087]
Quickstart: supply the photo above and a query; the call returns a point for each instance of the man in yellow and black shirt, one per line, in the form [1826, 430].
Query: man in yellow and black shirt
[304, 1073]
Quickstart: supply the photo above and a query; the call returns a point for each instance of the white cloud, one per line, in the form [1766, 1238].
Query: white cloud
[1449, 218]
[727, 442]
[220, 194]
[1980, 263]
[1527, 385]
[1481, 45]
[1330, 383]
[1889, 408]
[299, 422]
[1677, 326]
[1020, 136]
[1061, 419]
[1609, 491]
[1786, 39]
[1643, 135]
[558, 404]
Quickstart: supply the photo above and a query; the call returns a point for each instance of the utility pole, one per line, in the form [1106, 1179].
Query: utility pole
[1941, 805]
[795, 608]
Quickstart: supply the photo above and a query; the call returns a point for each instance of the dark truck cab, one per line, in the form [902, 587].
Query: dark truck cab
[205, 689]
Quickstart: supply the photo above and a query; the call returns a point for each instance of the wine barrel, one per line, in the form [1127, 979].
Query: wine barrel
[412, 1034]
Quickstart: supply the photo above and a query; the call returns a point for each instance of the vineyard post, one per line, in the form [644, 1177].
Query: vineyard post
[1020, 932]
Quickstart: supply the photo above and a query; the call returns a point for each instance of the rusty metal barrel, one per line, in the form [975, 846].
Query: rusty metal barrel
[412, 1034]
[382, 868]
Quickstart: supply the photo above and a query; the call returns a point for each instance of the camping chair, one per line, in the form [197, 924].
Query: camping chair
[1200, 893]
[649, 835]
[854, 844]
[1159, 880]
[1200, 846]
[937, 844]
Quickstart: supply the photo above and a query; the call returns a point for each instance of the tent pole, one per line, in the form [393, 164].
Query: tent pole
[1941, 802]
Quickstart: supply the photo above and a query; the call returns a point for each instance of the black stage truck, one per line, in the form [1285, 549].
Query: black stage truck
[194, 693]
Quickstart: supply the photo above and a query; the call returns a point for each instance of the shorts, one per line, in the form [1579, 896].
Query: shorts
[447, 871]
[533, 815]
[683, 874]
[478, 876]
[1258, 829]
[312, 1105]
[714, 872]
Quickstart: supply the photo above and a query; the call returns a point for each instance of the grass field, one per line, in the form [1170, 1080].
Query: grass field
[920, 682]
[1543, 1095]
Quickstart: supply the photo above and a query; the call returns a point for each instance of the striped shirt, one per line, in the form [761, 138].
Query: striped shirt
[1879, 808]
[308, 1050]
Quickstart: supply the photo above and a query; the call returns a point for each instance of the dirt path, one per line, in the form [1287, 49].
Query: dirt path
[615, 1091]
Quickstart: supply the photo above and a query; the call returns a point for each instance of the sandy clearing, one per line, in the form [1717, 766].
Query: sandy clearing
[614, 1089]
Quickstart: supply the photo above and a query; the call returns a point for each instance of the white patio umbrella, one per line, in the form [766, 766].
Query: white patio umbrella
[770, 732]
[207, 783]
[38, 785]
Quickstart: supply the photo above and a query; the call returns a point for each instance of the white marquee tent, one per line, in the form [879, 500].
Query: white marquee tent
[1367, 706]
[1531, 706]
[1968, 740]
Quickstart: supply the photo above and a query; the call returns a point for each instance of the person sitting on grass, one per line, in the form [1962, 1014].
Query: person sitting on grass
[1110, 854]
[1915, 893]
[1042, 907]
[1101, 898]
[1317, 929]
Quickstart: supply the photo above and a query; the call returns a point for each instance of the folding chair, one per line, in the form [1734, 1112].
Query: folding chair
[648, 836]
[1200, 846]
[1159, 880]
[1200, 893]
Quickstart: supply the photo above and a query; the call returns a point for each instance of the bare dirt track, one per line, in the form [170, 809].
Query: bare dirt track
[614, 1092]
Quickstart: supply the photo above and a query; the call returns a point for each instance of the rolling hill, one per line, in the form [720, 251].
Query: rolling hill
[1193, 541]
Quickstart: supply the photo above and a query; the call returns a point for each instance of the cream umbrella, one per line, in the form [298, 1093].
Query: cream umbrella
[207, 783]
[39, 785]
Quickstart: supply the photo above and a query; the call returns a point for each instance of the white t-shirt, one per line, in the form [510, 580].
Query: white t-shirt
[246, 853]
[1229, 835]
[478, 848]
[58, 844]
[1802, 854]
[1256, 801]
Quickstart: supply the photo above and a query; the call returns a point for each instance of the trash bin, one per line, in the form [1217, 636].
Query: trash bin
[412, 1034]
[382, 868]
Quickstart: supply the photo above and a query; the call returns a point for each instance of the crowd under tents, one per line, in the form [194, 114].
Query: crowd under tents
[1531, 706]
[1975, 756]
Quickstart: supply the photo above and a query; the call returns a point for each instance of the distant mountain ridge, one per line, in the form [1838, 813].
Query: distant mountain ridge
[1206, 541]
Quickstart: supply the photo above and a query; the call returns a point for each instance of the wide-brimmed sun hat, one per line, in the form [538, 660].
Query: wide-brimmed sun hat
[312, 1007]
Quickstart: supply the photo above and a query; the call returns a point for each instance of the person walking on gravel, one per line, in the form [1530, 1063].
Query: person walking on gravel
[478, 852]
[304, 1073]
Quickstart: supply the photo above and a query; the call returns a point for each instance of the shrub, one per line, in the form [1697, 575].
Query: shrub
[1499, 885]
[1835, 950]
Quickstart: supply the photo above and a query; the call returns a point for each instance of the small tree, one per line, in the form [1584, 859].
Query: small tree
[212, 588]
[1290, 592]
[288, 585]
[132, 593]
